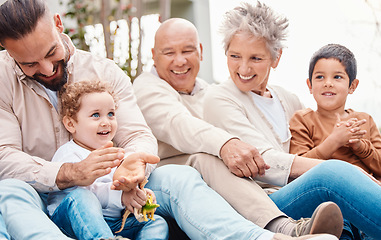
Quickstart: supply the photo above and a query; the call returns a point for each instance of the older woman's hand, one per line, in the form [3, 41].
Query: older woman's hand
[242, 159]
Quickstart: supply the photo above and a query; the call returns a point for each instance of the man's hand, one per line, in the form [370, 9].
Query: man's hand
[97, 164]
[242, 159]
[131, 171]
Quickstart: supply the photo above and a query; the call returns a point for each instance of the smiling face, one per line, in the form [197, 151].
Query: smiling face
[249, 62]
[95, 122]
[177, 54]
[330, 85]
[42, 54]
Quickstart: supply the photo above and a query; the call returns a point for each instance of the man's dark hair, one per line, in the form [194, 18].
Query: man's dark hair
[20, 17]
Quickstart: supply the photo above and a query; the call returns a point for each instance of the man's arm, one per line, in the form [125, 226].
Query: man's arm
[174, 123]
[84, 173]
[14, 162]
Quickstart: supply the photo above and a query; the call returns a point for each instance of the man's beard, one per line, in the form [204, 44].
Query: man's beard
[57, 83]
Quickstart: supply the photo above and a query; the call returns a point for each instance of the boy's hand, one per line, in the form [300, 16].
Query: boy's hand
[135, 198]
[357, 134]
[340, 134]
[131, 171]
[348, 132]
[97, 164]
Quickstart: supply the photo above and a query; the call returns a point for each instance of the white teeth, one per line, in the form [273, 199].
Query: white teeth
[52, 74]
[104, 133]
[246, 78]
[177, 72]
[328, 94]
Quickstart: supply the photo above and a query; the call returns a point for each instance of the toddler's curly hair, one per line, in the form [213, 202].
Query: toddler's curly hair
[71, 95]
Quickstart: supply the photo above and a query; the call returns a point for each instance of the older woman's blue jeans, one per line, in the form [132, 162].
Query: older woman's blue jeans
[358, 197]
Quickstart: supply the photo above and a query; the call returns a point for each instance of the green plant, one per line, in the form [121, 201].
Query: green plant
[91, 12]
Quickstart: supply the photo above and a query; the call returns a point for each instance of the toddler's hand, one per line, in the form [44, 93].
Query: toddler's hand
[151, 193]
[135, 198]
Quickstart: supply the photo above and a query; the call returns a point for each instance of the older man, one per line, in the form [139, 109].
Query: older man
[171, 99]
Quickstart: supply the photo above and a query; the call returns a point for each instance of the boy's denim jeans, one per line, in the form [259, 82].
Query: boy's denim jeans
[358, 197]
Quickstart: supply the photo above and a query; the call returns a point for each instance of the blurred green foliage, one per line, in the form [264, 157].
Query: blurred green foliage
[90, 12]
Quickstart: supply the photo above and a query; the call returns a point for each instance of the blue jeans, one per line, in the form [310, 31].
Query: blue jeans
[3, 229]
[133, 229]
[358, 197]
[199, 211]
[80, 216]
[24, 212]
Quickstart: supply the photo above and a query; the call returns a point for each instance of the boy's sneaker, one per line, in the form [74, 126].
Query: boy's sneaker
[327, 218]
[280, 236]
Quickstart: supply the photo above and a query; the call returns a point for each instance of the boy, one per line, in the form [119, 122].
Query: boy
[333, 132]
[88, 113]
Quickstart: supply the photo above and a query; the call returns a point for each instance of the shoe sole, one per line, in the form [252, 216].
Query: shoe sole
[327, 219]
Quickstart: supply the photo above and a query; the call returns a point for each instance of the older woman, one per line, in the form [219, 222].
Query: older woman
[247, 106]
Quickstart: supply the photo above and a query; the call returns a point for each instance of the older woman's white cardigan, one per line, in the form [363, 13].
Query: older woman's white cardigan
[227, 107]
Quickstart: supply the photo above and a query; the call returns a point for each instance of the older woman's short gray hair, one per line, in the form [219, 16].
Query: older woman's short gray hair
[260, 21]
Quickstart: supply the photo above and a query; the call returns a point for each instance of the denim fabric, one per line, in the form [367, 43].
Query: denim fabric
[153, 230]
[24, 212]
[80, 216]
[355, 193]
[3, 229]
[199, 211]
